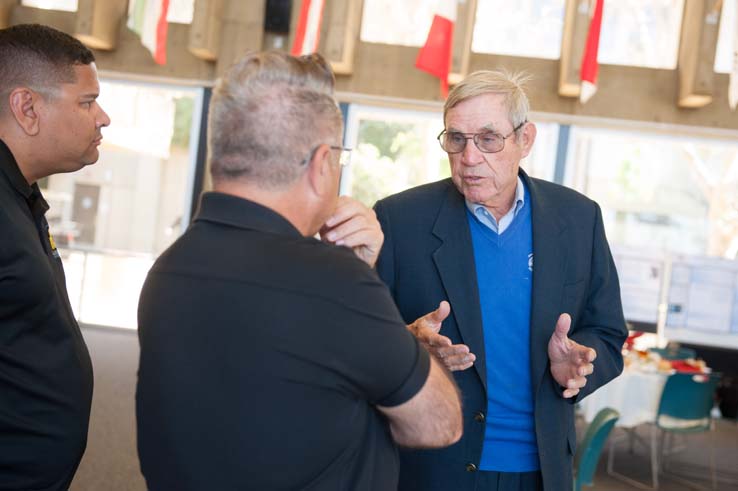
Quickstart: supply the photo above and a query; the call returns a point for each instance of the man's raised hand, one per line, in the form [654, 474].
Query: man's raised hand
[426, 330]
[570, 361]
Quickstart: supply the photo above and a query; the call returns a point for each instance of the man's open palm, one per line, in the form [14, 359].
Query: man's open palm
[570, 361]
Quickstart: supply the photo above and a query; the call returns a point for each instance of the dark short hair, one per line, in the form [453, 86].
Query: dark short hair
[38, 57]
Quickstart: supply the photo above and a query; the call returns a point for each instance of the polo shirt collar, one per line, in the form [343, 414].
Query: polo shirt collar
[238, 212]
[9, 167]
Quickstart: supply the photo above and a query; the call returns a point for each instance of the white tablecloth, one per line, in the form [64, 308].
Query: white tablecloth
[635, 394]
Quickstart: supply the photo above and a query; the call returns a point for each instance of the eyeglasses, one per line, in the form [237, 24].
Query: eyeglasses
[344, 159]
[487, 142]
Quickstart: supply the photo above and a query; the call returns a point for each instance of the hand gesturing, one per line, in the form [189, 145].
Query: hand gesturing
[426, 329]
[570, 361]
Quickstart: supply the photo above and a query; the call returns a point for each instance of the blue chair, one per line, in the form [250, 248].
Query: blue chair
[686, 408]
[675, 353]
[588, 451]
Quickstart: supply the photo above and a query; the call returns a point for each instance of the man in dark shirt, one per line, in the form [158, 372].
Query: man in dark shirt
[49, 123]
[269, 359]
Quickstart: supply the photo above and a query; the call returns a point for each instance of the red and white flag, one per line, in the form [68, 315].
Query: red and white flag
[148, 19]
[733, 85]
[308, 28]
[435, 55]
[588, 72]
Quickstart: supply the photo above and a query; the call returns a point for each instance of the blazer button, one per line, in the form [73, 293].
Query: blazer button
[479, 417]
[471, 467]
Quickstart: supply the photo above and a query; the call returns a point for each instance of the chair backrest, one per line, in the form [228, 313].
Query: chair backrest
[688, 396]
[588, 451]
[675, 353]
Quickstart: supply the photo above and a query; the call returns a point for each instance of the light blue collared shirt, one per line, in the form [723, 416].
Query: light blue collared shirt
[488, 220]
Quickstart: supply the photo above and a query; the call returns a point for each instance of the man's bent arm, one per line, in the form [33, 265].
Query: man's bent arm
[432, 417]
[601, 325]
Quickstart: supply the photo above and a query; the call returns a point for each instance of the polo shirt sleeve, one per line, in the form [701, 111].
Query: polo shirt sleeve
[413, 382]
[381, 360]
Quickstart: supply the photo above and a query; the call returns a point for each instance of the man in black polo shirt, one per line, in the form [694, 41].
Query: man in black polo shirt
[271, 360]
[49, 123]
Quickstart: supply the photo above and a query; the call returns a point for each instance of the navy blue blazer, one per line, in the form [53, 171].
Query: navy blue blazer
[427, 257]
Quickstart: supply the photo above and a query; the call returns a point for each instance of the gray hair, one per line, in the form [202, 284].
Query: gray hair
[510, 85]
[267, 114]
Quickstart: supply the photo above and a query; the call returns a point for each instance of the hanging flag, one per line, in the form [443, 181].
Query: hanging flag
[435, 55]
[733, 85]
[148, 19]
[308, 28]
[588, 72]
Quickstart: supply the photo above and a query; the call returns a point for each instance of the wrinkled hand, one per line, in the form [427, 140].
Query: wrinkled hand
[571, 362]
[426, 328]
[356, 226]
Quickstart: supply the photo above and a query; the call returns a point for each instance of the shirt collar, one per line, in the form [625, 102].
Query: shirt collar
[238, 212]
[30, 192]
[9, 167]
[517, 204]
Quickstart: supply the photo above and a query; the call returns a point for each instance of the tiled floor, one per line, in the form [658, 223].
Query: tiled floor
[637, 464]
[111, 461]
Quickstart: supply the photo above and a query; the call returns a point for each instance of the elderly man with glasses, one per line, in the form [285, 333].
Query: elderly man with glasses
[522, 292]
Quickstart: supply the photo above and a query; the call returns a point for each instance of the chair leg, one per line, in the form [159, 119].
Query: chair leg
[713, 469]
[684, 472]
[611, 455]
[665, 444]
[621, 477]
[654, 459]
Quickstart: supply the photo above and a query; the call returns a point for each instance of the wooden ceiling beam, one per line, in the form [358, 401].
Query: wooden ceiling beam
[205, 30]
[462, 41]
[340, 33]
[697, 47]
[6, 8]
[242, 31]
[97, 23]
[573, 39]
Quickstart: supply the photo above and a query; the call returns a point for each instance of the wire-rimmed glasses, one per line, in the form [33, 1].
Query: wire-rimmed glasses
[486, 142]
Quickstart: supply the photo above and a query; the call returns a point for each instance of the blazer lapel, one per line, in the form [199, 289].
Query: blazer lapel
[549, 265]
[454, 259]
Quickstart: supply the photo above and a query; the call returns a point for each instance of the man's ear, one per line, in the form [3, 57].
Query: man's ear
[319, 170]
[23, 104]
[527, 138]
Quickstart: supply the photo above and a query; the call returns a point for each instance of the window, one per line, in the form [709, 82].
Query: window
[641, 33]
[393, 150]
[391, 22]
[532, 29]
[112, 219]
[180, 11]
[726, 38]
[66, 5]
[668, 193]
[541, 161]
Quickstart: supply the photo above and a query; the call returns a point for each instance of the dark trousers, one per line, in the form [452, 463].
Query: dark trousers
[509, 481]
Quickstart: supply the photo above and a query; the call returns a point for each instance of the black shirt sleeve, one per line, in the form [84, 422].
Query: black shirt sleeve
[413, 383]
[367, 341]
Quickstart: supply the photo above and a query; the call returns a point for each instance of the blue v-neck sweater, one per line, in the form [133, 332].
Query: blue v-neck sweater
[504, 267]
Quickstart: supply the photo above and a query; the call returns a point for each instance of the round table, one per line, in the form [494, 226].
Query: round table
[635, 394]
